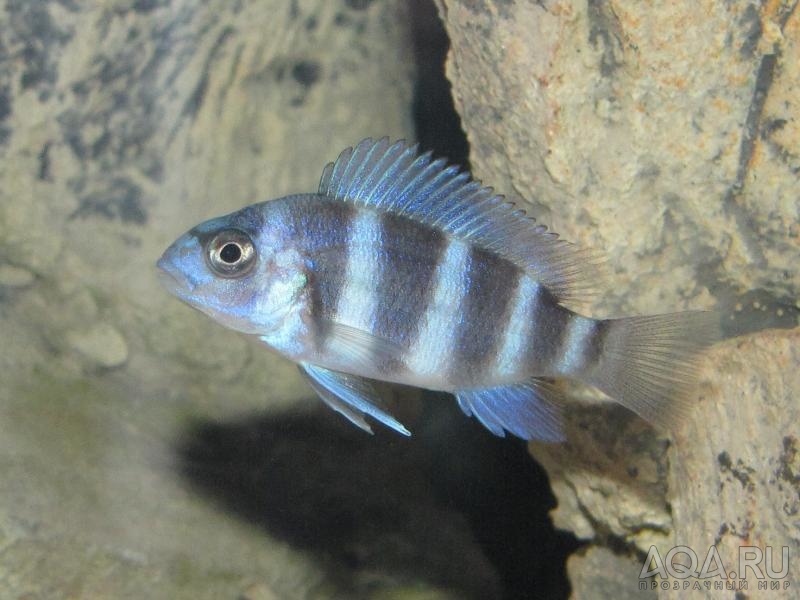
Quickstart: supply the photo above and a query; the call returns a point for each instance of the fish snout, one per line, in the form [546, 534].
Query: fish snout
[172, 270]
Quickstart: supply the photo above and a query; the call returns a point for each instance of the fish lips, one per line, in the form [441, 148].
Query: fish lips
[173, 281]
[172, 272]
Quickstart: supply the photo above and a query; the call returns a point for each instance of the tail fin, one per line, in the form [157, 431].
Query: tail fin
[650, 364]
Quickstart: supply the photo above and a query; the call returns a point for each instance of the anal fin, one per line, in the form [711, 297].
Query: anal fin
[350, 395]
[530, 410]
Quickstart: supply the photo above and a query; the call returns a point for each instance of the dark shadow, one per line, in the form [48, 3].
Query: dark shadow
[359, 503]
[453, 505]
[437, 124]
[506, 497]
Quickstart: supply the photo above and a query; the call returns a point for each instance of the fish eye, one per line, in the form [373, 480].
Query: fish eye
[231, 253]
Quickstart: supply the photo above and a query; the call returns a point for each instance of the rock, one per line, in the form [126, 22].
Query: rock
[609, 483]
[636, 489]
[259, 591]
[665, 140]
[15, 277]
[668, 141]
[734, 470]
[600, 573]
[101, 344]
[414, 593]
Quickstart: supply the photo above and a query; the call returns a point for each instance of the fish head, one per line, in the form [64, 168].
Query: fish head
[235, 269]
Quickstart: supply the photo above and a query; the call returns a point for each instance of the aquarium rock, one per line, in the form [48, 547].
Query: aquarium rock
[101, 344]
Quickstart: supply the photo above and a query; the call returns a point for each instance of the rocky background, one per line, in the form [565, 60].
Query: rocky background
[147, 452]
[668, 135]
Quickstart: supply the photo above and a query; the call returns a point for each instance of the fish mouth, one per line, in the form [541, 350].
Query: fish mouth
[172, 279]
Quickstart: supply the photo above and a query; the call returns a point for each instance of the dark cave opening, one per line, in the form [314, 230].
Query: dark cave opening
[437, 124]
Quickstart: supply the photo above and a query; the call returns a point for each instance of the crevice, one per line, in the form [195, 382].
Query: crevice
[605, 34]
[744, 224]
[752, 125]
[437, 124]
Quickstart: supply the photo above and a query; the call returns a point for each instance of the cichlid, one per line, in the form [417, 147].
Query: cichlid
[403, 269]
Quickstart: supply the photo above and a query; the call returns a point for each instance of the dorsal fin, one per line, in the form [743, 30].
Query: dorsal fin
[396, 179]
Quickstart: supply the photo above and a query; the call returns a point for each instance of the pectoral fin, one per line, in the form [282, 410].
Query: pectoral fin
[529, 410]
[359, 347]
[351, 396]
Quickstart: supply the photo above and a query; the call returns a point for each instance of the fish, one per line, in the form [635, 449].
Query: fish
[402, 268]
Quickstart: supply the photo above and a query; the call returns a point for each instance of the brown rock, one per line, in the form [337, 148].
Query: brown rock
[661, 134]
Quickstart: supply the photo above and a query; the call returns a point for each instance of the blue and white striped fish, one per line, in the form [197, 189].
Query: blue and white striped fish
[403, 269]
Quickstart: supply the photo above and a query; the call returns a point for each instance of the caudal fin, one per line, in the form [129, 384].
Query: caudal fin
[650, 364]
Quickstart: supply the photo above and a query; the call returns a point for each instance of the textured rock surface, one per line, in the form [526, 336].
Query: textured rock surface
[600, 573]
[121, 125]
[729, 478]
[666, 135]
[734, 477]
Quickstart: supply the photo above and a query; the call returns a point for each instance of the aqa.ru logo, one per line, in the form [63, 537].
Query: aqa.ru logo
[754, 564]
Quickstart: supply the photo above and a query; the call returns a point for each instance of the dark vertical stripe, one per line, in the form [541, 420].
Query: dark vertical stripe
[595, 345]
[548, 334]
[325, 229]
[410, 254]
[492, 283]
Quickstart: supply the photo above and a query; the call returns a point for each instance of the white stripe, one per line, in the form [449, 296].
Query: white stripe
[357, 302]
[572, 348]
[433, 347]
[517, 335]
